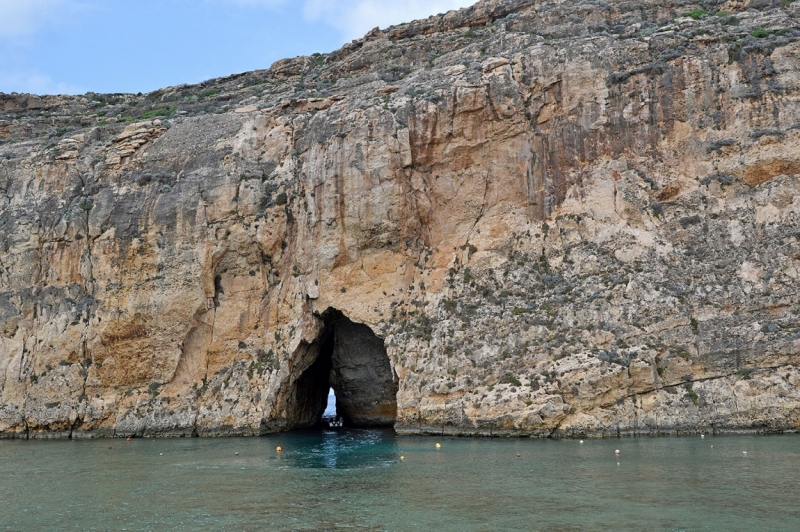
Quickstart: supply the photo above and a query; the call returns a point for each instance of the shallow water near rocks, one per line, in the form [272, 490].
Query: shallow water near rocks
[354, 479]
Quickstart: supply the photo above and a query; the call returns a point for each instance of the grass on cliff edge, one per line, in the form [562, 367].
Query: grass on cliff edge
[158, 112]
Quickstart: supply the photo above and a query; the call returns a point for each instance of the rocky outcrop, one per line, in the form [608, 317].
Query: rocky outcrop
[559, 218]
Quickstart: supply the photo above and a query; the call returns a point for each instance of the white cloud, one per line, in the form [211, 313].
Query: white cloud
[23, 17]
[35, 82]
[354, 18]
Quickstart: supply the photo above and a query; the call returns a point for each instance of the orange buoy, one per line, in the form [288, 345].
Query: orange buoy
[128, 439]
[278, 448]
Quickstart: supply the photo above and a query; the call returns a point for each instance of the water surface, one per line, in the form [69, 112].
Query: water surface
[355, 480]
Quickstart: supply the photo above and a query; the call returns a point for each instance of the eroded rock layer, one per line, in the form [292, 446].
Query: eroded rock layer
[561, 218]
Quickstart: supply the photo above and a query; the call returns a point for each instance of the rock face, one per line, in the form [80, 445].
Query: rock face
[540, 218]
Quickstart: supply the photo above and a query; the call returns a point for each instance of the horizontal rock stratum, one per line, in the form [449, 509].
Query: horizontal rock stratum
[533, 218]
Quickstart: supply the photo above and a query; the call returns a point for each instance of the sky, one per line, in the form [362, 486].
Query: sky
[107, 46]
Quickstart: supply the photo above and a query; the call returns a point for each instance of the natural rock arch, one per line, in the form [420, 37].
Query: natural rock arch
[351, 359]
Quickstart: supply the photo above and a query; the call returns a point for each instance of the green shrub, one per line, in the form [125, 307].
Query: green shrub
[158, 112]
[508, 379]
[692, 394]
[760, 33]
[697, 14]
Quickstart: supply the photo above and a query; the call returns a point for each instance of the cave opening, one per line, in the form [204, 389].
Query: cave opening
[352, 362]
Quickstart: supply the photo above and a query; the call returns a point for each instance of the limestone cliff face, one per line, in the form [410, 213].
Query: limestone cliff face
[561, 218]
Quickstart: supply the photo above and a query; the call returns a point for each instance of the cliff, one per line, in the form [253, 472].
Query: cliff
[543, 218]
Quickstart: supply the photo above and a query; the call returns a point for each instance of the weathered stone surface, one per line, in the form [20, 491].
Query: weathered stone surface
[561, 218]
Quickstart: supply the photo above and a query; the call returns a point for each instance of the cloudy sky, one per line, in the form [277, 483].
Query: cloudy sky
[75, 46]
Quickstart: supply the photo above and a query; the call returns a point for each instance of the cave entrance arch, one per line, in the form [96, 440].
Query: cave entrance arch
[351, 360]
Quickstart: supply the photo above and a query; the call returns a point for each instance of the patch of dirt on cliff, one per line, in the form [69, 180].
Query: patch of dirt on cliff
[761, 173]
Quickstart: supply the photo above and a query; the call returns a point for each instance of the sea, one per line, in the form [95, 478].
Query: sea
[375, 480]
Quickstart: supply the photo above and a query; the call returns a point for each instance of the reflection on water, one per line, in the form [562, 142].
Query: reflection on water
[354, 479]
[341, 449]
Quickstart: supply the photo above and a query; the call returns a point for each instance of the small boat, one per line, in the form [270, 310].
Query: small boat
[333, 422]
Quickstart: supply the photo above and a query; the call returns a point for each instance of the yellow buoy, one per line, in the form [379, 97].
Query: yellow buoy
[402, 457]
[438, 445]
[278, 448]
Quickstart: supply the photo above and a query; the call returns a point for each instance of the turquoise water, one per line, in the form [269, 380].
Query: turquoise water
[354, 480]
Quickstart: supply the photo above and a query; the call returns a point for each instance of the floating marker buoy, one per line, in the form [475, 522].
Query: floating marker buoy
[581, 442]
[518, 455]
[402, 457]
[278, 448]
[160, 454]
[617, 464]
[438, 445]
[617, 451]
[702, 436]
[744, 452]
[237, 454]
[128, 439]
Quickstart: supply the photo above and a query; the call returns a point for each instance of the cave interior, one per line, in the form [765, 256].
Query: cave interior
[351, 360]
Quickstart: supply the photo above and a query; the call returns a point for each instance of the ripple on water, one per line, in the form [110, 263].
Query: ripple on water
[354, 479]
